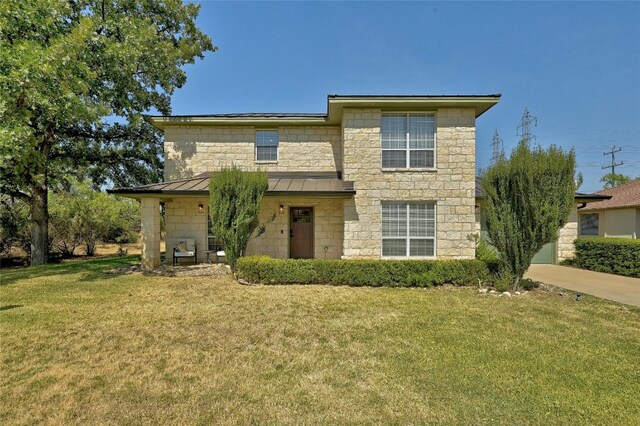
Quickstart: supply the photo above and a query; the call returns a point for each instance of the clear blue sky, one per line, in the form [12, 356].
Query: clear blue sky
[576, 66]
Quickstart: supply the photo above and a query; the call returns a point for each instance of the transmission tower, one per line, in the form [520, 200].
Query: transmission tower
[496, 147]
[613, 165]
[524, 129]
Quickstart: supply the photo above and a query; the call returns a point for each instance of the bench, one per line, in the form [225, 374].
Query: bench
[185, 248]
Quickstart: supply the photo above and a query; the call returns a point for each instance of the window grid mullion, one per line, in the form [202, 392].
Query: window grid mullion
[408, 238]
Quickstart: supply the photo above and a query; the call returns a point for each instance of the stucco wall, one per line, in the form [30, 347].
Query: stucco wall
[619, 223]
[451, 186]
[190, 150]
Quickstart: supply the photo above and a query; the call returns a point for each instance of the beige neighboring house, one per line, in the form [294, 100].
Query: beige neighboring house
[373, 177]
[618, 217]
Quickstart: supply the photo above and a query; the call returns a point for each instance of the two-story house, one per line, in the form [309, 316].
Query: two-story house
[374, 177]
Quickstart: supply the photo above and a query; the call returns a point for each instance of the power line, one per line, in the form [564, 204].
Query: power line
[613, 165]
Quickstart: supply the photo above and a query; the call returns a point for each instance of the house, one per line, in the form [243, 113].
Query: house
[373, 177]
[618, 217]
[555, 251]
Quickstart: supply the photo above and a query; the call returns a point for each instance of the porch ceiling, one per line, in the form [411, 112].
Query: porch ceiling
[296, 183]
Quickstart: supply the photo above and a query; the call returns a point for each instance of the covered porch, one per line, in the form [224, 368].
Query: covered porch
[303, 215]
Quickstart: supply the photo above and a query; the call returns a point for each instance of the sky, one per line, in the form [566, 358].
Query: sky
[574, 65]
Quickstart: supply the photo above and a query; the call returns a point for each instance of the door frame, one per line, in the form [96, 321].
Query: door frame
[313, 229]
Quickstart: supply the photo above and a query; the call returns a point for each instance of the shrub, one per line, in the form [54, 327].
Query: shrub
[375, 273]
[235, 198]
[613, 255]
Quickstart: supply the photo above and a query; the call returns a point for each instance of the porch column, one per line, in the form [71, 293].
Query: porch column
[150, 210]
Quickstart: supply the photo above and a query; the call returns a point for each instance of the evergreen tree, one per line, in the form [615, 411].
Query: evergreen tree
[235, 198]
[528, 197]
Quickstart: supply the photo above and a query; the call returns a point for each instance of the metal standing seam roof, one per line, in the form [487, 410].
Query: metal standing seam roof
[312, 183]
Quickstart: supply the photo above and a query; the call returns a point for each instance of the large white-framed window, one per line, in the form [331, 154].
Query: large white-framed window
[212, 242]
[408, 229]
[589, 224]
[267, 145]
[408, 141]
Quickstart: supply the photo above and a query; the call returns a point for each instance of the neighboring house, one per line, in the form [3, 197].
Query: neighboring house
[555, 251]
[618, 217]
[374, 177]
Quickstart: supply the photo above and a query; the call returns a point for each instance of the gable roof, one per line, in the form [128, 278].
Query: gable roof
[623, 196]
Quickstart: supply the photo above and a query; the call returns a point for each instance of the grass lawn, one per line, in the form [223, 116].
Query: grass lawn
[81, 346]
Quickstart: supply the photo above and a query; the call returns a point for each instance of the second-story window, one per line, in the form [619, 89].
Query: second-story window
[266, 145]
[408, 141]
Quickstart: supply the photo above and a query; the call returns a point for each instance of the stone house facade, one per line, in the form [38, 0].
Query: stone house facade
[373, 177]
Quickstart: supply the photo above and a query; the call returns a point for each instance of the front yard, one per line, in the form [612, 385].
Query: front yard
[81, 346]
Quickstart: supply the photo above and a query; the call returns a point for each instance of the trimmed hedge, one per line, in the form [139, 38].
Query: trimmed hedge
[613, 255]
[375, 273]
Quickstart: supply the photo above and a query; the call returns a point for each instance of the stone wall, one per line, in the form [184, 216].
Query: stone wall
[327, 233]
[567, 235]
[451, 185]
[185, 220]
[190, 150]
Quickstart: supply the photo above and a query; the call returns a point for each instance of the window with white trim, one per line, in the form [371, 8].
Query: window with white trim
[212, 242]
[589, 224]
[408, 229]
[266, 145]
[408, 141]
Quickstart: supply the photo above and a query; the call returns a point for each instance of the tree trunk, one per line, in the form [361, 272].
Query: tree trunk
[39, 225]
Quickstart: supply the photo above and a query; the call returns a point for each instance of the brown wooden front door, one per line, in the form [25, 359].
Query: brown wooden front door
[301, 232]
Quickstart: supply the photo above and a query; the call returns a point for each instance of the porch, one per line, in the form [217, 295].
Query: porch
[303, 215]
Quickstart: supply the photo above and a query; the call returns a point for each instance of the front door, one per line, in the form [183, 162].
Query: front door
[301, 232]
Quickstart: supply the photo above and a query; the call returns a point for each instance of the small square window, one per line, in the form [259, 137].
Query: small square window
[266, 145]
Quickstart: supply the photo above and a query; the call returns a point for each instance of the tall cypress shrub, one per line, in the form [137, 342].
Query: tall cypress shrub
[528, 197]
[235, 198]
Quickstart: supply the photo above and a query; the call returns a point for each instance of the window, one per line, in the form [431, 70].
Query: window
[408, 229]
[408, 141]
[589, 224]
[267, 145]
[212, 243]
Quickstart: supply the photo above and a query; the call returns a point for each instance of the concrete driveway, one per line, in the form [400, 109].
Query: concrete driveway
[607, 286]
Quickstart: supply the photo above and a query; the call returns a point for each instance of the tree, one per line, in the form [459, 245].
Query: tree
[528, 197]
[75, 78]
[611, 180]
[235, 198]
[82, 215]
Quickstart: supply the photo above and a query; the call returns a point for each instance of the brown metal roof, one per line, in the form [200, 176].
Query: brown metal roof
[298, 183]
[623, 196]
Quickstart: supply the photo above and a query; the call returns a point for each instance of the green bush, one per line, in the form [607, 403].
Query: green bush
[375, 273]
[613, 255]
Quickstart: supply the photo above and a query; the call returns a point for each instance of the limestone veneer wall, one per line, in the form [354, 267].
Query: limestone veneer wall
[451, 185]
[183, 220]
[190, 150]
[567, 235]
[327, 234]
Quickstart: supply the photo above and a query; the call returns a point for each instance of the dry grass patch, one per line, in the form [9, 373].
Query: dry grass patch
[82, 346]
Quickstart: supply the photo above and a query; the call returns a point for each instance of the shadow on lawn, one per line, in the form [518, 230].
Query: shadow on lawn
[8, 307]
[91, 270]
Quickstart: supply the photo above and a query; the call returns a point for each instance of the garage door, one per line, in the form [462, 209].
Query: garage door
[546, 255]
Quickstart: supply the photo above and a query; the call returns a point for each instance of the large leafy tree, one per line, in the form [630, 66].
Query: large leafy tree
[75, 78]
[528, 198]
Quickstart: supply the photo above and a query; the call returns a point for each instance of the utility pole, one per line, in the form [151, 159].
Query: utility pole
[524, 129]
[496, 147]
[613, 165]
